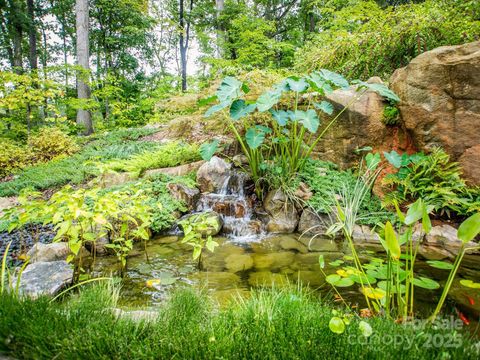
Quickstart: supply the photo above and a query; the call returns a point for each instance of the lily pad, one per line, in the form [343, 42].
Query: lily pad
[336, 325]
[374, 293]
[470, 284]
[426, 283]
[440, 264]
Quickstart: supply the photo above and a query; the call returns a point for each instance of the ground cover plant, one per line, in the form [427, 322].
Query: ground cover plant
[266, 326]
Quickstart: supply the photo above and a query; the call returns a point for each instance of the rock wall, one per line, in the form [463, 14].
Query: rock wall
[440, 93]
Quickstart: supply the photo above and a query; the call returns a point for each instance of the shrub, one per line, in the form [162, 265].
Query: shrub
[391, 115]
[50, 143]
[364, 40]
[13, 157]
[436, 180]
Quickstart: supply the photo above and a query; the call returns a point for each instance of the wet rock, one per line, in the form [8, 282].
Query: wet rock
[273, 261]
[282, 214]
[184, 193]
[51, 252]
[225, 280]
[291, 243]
[238, 262]
[319, 243]
[445, 237]
[213, 175]
[45, 278]
[364, 237]
[240, 160]
[211, 218]
[440, 92]
[267, 278]
[310, 278]
[433, 252]
[312, 223]
[180, 170]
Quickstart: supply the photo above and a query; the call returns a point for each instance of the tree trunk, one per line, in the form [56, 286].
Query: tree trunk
[184, 41]
[220, 5]
[32, 36]
[84, 117]
[16, 34]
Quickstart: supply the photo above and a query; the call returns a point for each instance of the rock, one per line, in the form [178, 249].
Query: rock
[360, 125]
[470, 163]
[310, 278]
[180, 170]
[282, 214]
[433, 252]
[310, 261]
[273, 261]
[291, 243]
[211, 218]
[445, 237]
[213, 175]
[222, 280]
[240, 160]
[319, 243]
[110, 179]
[51, 252]
[440, 93]
[184, 193]
[266, 278]
[45, 278]
[238, 262]
[312, 223]
[6, 203]
[303, 192]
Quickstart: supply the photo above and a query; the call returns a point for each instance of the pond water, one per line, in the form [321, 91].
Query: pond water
[235, 268]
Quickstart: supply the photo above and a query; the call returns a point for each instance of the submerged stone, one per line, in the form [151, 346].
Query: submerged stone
[238, 262]
[273, 261]
[219, 280]
[267, 278]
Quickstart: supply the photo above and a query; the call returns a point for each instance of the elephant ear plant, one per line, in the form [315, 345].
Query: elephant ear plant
[289, 129]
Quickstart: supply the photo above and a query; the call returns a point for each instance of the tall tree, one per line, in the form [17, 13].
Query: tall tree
[32, 36]
[84, 118]
[184, 27]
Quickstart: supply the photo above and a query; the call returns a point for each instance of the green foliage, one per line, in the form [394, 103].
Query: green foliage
[13, 157]
[79, 167]
[89, 329]
[361, 39]
[168, 155]
[433, 178]
[324, 180]
[50, 143]
[197, 233]
[285, 138]
[390, 115]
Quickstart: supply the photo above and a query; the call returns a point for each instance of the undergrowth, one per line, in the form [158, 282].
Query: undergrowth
[269, 325]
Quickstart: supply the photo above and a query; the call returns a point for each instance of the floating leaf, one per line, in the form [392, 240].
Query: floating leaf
[374, 293]
[384, 284]
[208, 149]
[338, 281]
[440, 264]
[469, 229]
[325, 106]
[426, 283]
[336, 325]
[365, 328]
[470, 284]
[239, 109]
[336, 263]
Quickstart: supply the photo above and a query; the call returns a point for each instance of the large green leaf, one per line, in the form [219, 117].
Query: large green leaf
[415, 212]
[325, 106]
[267, 100]
[229, 89]
[215, 108]
[382, 90]
[280, 116]
[319, 84]
[470, 284]
[391, 241]
[334, 78]
[309, 119]
[469, 229]
[336, 325]
[297, 84]
[393, 158]
[440, 264]
[426, 283]
[208, 149]
[239, 109]
[255, 138]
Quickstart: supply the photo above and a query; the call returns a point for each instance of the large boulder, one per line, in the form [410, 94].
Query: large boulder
[282, 214]
[440, 93]
[360, 125]
[184, 193]
[52, 252]
[212, 176]
[45, 278]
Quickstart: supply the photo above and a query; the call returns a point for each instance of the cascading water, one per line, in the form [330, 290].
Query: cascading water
[235, 208]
